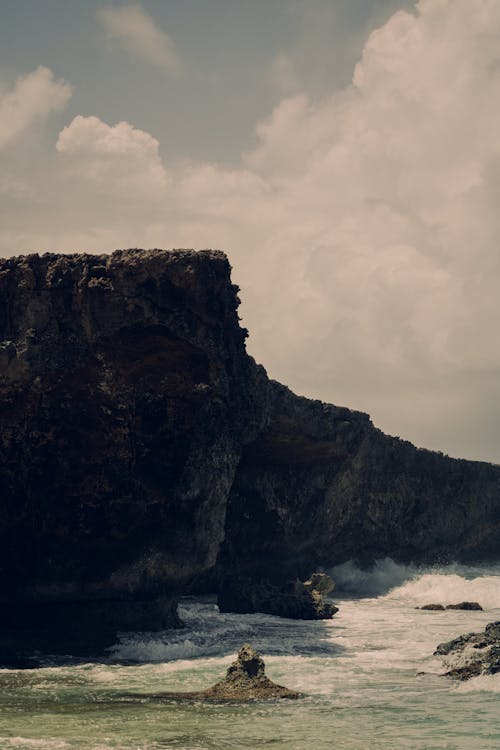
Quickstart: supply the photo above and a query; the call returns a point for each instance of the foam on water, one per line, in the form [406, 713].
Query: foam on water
[486, 683]
[369, 676]
[208, 632]
[449, 588]
[421, 585]
[381, 577]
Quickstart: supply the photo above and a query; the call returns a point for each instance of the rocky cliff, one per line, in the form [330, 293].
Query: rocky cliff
[140, 447]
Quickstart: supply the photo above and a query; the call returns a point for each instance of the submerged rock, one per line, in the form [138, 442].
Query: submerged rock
[245, 680]
[298, 600]
[472, 654]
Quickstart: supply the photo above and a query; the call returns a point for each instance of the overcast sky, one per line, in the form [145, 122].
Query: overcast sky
[344, 153]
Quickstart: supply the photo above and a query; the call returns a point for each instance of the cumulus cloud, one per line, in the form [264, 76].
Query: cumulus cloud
[363, 227]
[116, 158]
[370, 259]
[33, 97]
[136, 31]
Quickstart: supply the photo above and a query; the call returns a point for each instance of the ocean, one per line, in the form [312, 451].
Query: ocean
[369, 677]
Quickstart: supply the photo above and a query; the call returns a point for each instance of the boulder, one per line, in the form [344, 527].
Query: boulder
[472, 654]
[465, 605]
[433, 607]
[297, 600]
[245, 680]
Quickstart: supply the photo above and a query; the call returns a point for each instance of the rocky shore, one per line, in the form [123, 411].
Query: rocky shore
[472, 654]
[143, 454]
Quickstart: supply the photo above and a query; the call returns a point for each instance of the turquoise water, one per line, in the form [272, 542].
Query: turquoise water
[359, 673]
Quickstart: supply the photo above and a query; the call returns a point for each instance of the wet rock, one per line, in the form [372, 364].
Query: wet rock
[432, 607]
[245, 681]
[320, 582]
[465, 605]
[297, 600]
[472, 654]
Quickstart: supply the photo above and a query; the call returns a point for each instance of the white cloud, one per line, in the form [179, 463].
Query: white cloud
[363, 228]
[134, 28]
[33, 97]
[117, 159]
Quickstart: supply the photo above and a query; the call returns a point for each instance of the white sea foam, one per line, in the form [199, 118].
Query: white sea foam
[421, 585]
[384, 575]
[485, 683]
[449, 588]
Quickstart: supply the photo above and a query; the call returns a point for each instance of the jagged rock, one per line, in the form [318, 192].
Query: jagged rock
[245, 681]
[465, 605]
[472, 654]
[297, 600]
[320, 582]
[432, 607]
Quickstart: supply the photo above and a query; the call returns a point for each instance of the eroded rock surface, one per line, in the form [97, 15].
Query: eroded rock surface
[472, 654]
[142, 449]
[245, 681]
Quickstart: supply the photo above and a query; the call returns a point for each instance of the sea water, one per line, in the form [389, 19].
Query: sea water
[368, 677]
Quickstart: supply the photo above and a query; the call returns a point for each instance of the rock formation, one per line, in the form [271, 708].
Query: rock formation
[460, 605]
[473, 654]
[142, 449]
[245, 681]
[298, 600]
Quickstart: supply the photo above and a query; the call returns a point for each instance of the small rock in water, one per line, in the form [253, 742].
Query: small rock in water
[465, 605]
[431, 607]
[245, 680]
[460, 605]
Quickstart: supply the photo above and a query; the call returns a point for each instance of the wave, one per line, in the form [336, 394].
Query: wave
[415, 585]
[209, 633]
[449, 588]
[381, 577]
[485, 683]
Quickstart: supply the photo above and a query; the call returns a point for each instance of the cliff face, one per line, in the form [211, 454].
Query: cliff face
[139, 443]
[125, 396]
[320, 485]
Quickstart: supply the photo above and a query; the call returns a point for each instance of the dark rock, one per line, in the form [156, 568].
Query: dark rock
[245, 681]
[472, 654]
[320, 582]
[465, 605]
[297, 600]
[141, 447]
[431, 607]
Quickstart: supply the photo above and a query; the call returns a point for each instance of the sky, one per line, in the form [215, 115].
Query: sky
[345, 154]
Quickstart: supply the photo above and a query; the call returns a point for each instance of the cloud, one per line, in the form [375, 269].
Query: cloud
[363, 227]
[33, 97]
[118, 159]
[136, 31]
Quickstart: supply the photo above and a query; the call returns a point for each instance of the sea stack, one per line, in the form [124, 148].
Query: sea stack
[245, 680]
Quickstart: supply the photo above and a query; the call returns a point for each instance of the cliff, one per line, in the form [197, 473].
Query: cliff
[140, 447]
